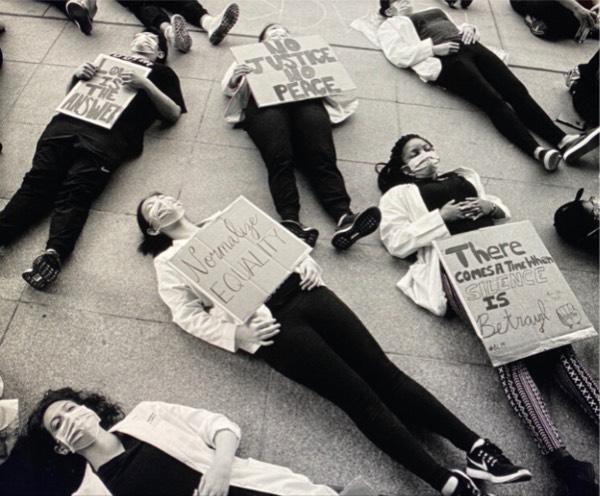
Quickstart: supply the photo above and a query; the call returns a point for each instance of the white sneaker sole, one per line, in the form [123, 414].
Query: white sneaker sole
[519, 476]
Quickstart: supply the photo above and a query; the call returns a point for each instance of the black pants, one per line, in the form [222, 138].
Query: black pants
[64, 179]
[298, 135]
[560, 21]
[480, 77]
[324, 346]
[151, 13]
[585, 92]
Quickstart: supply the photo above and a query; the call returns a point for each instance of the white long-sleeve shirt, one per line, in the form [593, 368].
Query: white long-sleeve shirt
[188, 435]
[407, 226]
[194, 312]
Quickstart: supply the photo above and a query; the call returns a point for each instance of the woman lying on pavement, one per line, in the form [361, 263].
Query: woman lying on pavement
[305, 332]
[420, 205]
[298, 134]
[158, 448]
[450, 56]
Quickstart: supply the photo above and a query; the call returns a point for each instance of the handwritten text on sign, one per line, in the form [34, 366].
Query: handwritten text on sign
[515, 296]
[292, 69]
[240, 258]
[102, 99]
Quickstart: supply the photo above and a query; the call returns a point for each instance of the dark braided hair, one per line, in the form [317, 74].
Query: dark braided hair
[390, 174]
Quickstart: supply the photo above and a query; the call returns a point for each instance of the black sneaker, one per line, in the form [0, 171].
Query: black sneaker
[80, 15]
[44, 270]
[451, 3]
[577, 148]
[578, 477]
[549, 158]
[307, 234]
[466, 487]
[352, 227]
[487, 462]
[465, 4]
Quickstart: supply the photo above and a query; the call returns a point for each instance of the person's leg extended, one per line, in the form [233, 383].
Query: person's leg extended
[51, 161]
[302, 355]
[85, 181]
[270, 130]
[150, 15]
[191, 10]
[313, 142]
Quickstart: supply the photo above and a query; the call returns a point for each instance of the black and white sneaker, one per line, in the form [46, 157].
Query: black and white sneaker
[487, 462]
[466, 487]
[550, 158]
[307, 234]
[352, 227]
[583, 144]
[223, 23]
[44, 270]
[79, 13]
[181, 38]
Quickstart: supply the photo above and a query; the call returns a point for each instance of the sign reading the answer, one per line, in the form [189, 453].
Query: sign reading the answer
[513, 292]
[292, 69]
[239, 258]
[102, 99]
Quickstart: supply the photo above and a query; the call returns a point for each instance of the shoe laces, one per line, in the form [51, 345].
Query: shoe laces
[491, 454]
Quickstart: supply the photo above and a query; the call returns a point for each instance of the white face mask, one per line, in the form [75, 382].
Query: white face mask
[164, 212]
[80, 422]
[422, 166]
[277, 33]
[144, 43]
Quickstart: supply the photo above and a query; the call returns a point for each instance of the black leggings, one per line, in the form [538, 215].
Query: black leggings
[480, 77]
[324, 346]
[151, 13]
[560, 21]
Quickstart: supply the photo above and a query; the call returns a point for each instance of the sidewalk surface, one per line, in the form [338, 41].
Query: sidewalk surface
[103, 326]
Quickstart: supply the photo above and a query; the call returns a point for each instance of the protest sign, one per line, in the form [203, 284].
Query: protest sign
[239, 258]
[102, 99]
[513, 292]
[292, 69]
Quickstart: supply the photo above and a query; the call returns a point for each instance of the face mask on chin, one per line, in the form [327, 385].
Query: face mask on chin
[82, 422]
[423, 166]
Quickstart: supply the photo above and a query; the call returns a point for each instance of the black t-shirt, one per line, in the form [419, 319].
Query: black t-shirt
[144, 470]
[126, 138]
[434, 24]
[436, 193]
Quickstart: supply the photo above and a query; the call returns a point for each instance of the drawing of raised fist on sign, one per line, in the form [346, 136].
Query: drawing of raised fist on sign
[568, 315]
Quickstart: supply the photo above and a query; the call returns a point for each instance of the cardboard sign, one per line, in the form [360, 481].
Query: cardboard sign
[292, 69]
[102, 99]
[514, 294]
[240, 258]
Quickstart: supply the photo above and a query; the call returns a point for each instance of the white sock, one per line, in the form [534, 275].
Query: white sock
[205, 21]
[450, 486]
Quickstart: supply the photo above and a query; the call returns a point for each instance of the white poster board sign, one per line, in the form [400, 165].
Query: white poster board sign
[293, 69]
[239, 258]
[102, 99]
[513, 292]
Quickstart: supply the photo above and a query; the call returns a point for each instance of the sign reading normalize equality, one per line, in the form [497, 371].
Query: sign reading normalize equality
[102, 99]
[240, 258]
[514, 294]
[292, 69]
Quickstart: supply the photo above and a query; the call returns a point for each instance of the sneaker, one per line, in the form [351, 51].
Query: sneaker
[487, 462]
[178, 34]
[307, 234]
[352, 227]
[465, 4]
[466, 487]
[550, 158]
[44, 270]
[581, 145]
[537, 27]
[451, 3]
[79, 13]
[222, 24]
[578, 477]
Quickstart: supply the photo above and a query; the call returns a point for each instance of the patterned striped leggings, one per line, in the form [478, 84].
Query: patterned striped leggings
[523, 394]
